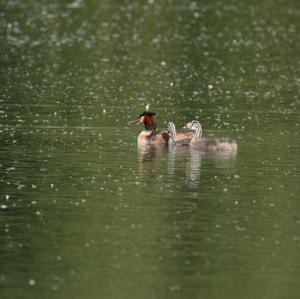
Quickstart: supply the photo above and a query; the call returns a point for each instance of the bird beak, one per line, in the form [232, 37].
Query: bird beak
[136, 121]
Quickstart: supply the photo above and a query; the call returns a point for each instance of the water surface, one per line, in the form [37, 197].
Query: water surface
[87, 213]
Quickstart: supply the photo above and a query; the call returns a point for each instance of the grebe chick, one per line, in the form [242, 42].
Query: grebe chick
[196, 136]
[204, 144]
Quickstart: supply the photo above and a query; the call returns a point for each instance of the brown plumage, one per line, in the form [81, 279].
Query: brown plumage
[151, 135]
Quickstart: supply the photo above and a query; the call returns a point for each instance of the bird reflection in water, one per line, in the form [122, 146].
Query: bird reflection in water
[148, 152]
[152, 159]
[191, 158]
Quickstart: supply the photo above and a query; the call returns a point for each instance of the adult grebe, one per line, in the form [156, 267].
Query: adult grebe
[151, 135]
[204, 144]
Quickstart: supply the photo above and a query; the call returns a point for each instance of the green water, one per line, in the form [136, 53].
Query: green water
[85, 213]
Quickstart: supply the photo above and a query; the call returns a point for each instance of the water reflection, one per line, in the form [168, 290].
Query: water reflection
[191, 159]
[180, 160]
[222, 159]
[193, 166]
[149, 157]
[148, 152]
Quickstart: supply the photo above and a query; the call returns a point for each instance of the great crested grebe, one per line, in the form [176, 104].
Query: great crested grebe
[205, 144]
[151, 135]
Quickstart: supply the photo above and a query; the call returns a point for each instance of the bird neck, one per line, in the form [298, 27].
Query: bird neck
[198, 134]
